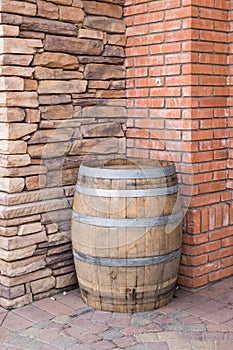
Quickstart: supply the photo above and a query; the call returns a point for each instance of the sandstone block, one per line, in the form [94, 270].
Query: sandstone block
[43, 284]
[56, 216]
[102, 60]
[11, 185]
[19, 7]
[7, 30]
[50, 150]
[116, 39]
[12, 293]
[18, 221]
[32, 276]
[56, 60]
[20, 99]
[104, 71]
[77, 3]
[10, 18]
[57, 112]
[35, 196]
[54, 99]
[23, 266]
[102, 9]
[71, 14]
[47, 9]
[32, 115]
[42, 73]
[35, 182]
[45, 136]
[68, 177]
[118, 85]
[104, 112]
[48, 26]
[90, 34]
[11, 114]
[17, 254]
[51, 228]
[16, 302]
[11, 160]
[30, 85]
[22, 60]
[62, 2]
[73, 45]
[18, 242]
[107, 94]
[19, 46]
[27, 229]
[13, 147]
[96, 146]
[16, 71]
[98, 84]
[60, 86]
[109, 25]
[58, 238]
[101, 130]
[23, 171]
[66, 280]
[8, 231]
[57, 124]
[113, 51]
[35, 208]
[18, 130]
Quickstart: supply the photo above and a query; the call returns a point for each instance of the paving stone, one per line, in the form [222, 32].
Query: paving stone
[213, 336]
[131, 330]
[137, 347]
[15, 322]
[79, 347]
[103, 345]
[140, 321]
[65, 342]
[33, 313]
[110, 334]
[224, 345]
[152, 327]
[54, 307]
[18, 340]
[158, 346]
[181, 345]
[203, 345]
[34, 345]
[125, 342]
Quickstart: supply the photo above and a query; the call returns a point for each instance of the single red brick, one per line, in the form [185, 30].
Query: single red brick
[191, 282]
[139, 133]
[214, 276]
[213, 14]
[194, 260]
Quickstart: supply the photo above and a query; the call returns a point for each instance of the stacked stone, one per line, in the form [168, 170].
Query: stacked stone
[62, 100]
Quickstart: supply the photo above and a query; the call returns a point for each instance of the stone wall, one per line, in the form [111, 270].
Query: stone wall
[62, 100]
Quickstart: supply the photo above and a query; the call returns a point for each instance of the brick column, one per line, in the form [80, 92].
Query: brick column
[177, 106]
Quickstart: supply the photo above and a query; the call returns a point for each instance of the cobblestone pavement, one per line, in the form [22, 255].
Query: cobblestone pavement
[197, 321]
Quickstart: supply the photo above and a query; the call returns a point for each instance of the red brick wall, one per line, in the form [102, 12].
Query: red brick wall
[177, 92]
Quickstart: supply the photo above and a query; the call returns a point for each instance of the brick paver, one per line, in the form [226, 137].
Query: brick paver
[196, 321]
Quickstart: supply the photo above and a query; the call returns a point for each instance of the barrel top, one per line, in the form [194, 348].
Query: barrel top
[127, 168]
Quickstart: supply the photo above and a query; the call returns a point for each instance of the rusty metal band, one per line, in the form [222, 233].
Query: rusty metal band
[137, 222]
[108, 173]
[100, 192]
[134, 262]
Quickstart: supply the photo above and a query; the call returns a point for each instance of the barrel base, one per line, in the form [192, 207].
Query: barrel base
[133, 301]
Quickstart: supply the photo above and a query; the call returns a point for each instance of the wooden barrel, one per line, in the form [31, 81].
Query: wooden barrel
[126, 233]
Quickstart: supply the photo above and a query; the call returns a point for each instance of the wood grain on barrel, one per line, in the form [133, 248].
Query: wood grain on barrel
[126, 288]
